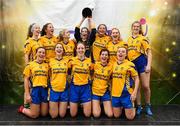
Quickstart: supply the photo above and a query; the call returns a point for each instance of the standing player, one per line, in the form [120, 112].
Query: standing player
[100, 91]
[37, 72]
[123, 76]
[30, 47]
[48, 40]
[69, 45]
[85, 36]
[80, 89]
[114, 44]
[139, 52]
[100, 42]
[59, 86]
[31, 43]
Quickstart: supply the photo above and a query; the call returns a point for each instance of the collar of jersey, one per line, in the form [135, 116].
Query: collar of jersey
[58, 59]
[122, 62]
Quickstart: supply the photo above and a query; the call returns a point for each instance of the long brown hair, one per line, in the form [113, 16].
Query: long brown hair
[100, 26]
[105, 50]
[43, 32]
[140, 31]
[30, 33]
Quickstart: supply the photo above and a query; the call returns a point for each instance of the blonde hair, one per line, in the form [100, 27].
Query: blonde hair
[61, 34]
[140, 31]
[118, 32]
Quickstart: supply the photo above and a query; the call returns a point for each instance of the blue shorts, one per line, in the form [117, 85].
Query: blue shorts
[140, 63]
[80, 93]
[105, 97]
[39, 95]
[59, 96]
[122, 101]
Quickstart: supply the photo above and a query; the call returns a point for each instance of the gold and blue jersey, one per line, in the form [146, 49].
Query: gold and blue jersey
[137, 46]
[69, 49]
[101, 78]
[37, 72]
[58, 74]
[80, 70]
[122, 78]
[113, 50]
[99, 44]
[49, 45]
[30, 48]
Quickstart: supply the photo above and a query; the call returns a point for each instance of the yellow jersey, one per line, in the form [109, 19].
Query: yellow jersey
[80, 70]
[58, 74]
[101, 77]
[99, 44]
[30, 48]
[49, 45]
[113, 50]
[37, 72]
[137, 46]
[122, 78]
[69, 49]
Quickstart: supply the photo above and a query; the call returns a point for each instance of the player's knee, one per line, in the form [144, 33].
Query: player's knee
[116, 115]
[146, 88]
[44, 113]
[62, 114]
[34, 116]
[73, 114]
[109, 114]
[96, 114]
[53, 115]
[130, 116]
[87, 114]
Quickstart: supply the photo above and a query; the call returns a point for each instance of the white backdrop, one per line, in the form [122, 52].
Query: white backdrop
[67, 13]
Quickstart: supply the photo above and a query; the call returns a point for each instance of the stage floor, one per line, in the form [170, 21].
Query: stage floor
[163, 115]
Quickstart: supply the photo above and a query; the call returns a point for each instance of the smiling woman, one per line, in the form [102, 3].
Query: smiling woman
[17, 15]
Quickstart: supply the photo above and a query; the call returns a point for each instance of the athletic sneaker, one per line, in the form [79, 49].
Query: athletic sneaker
[20, 109]
[138, 110]
[148, 110]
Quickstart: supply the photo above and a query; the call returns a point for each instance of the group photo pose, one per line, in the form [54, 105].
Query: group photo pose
[95, 71]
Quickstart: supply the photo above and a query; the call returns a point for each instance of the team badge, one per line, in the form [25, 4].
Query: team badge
[102, 70]
[49, 42]
[116, 68]
[122, 68]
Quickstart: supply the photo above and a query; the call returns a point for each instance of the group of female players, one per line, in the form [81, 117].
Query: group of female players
[93, 68]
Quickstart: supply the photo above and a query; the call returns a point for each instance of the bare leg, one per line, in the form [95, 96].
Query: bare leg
[108, 108]
[62, 109]
[130, 113]
[96, 108]
[53, 109]
[146, 86]
[44, 109]
[87, 109]
[117, 111]
[33, 112]
[73, 109]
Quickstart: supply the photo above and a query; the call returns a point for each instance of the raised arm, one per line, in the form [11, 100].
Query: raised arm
[77, 30]
[92, 31]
